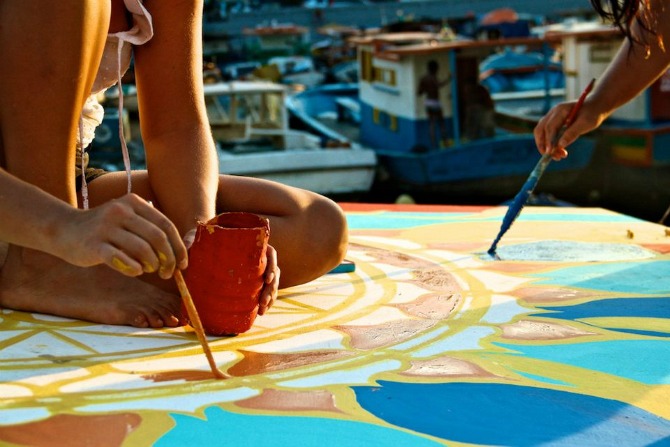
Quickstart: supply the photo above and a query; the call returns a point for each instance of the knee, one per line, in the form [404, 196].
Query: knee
[329, 233]
[317, 242]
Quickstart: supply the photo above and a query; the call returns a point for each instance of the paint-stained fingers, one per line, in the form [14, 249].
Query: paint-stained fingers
[163, 237]
[120, 261]
[148, 244]
[129, 253]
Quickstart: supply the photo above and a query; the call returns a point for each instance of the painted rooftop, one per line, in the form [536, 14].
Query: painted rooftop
[564, 341]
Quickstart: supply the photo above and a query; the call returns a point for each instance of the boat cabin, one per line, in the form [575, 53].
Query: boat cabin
[245, 111]
[588, 47]
[393, 115]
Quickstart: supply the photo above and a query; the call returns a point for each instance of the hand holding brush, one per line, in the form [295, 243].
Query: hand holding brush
[527, 189]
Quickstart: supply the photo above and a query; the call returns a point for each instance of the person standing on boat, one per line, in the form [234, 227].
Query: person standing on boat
[643, 57]
[60, 257]
[430, 85]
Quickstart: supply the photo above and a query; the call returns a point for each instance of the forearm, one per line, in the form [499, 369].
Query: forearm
[31, 217]
[183, 172]
[631, 72]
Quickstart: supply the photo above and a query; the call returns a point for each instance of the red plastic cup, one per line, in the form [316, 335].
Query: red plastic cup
[225, 271]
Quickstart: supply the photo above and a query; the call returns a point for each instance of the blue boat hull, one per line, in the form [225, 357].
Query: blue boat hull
[489, 170]
[494, 167]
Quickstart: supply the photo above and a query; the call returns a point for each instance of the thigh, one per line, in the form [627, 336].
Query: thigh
[45, 76]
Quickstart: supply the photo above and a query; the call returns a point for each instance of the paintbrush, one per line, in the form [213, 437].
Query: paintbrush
[527, 189]
[197, 325]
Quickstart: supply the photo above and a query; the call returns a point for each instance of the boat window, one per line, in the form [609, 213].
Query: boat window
[366, 71]
[384, 76]
[393, 123]
[385, 119]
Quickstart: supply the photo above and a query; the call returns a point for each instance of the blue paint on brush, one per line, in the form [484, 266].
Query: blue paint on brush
[520, 200]
[526, 190]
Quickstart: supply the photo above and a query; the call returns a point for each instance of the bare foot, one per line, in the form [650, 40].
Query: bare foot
[32, 281]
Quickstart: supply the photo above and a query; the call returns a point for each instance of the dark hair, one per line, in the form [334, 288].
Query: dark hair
[433, 66]
[623, 13]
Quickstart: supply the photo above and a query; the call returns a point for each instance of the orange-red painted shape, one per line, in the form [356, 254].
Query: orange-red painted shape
[225, 271]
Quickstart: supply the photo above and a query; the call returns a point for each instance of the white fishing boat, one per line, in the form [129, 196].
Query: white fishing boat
[250, 124]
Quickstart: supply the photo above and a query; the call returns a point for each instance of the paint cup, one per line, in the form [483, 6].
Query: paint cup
[225, 271]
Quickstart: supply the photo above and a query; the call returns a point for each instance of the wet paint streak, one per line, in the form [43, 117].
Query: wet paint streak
[571, 251]
[500, 414]
[233, 429]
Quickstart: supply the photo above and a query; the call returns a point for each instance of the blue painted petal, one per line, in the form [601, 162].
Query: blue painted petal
[614, 307]
[501, 414]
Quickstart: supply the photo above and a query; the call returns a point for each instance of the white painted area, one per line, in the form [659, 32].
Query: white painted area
[325, 339]
[503, 308]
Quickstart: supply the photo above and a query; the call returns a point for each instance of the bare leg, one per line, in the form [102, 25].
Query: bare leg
[45, 78]
[308, 231]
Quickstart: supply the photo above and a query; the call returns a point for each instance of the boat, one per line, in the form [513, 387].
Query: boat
[298, 71]
[275, 39]
[250, 123]
[382, 111]
[521, 71]
[633, 174]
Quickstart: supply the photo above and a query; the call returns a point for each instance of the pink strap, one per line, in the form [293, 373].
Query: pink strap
[124, 146]
[80, 143]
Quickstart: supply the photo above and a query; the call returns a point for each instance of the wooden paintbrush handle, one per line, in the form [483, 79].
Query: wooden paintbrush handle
[195, 321]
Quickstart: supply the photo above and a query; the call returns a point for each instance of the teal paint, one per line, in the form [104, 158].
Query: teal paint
[223, 428]
[644, 361]
[640, 278]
